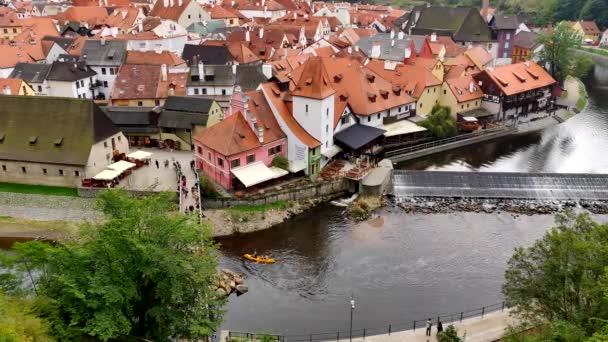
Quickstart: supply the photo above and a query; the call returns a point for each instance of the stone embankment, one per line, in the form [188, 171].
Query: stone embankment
[230, 282]
[421, 205]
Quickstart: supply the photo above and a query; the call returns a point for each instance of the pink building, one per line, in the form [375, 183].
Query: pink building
[238, 151]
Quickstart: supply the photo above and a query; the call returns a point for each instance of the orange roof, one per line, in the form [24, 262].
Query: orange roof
[241, 53]
[231, 136]
[451, 48]
[428, 63]
[219, 12]
[77, 46]
[139, 81]
[408, 77]
[10, 56]
[169, 12]
[590, 27]
[313, 80]
[259, 107]
[92, 15]
[153, 58]
[122, 17]
[520, 77]
[464, 89]
[277, 98]
[14, 84]
[326, 51]
[480, 56]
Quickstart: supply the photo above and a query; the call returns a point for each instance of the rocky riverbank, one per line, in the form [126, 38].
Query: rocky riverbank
[522, 207]
[229, 282]
[230, 221]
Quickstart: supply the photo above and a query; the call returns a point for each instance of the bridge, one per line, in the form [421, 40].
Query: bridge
[500, 185]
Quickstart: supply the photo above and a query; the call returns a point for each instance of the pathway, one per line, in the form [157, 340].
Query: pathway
[190, 199]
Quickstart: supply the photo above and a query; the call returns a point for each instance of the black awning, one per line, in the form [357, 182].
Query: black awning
[357, 136]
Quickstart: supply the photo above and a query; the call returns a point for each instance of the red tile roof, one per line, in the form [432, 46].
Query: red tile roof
[313, 80]
[153, 58]
[590, 27]
[259, 107]
[92, 15]
[139, 81]
[408, 77]
[219, 12]
[169, 12]
[14, 84]
[231, 136]
[520, 77]
[464, 89]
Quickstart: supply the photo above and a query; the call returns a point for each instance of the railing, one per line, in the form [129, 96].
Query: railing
[435, 143]
[368, 332]
[199, 197]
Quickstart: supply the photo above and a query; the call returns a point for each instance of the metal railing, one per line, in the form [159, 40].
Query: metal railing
[199, 197]
[461, 137]
[389, 329]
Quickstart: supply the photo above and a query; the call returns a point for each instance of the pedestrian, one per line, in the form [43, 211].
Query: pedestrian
[166, 163]
[192, 164]
[191, 209]
[439, 326]
[429, 325]
[185, 193]
[156, 162]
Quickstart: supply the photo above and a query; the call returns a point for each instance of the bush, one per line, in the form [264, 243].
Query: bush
[449, 335]
[440, 123]
[207, 188]
[280, 162]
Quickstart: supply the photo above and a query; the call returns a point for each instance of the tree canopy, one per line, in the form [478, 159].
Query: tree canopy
[440, 123]
[143, 272]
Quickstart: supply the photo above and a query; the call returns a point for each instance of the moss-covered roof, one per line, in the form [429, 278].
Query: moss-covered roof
[63, 129]
[463, 23]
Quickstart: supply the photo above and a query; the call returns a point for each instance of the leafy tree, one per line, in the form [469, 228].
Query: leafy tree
[143, 272]
[18, 323]
[440, 123]
[449, 335]
[559, 54]
[280, 162]
[595, 10]
[559, 277]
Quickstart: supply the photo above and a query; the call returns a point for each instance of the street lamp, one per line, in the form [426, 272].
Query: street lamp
[352, 308]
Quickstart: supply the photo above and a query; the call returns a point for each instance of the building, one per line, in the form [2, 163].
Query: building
[604, 39]
[146, 85]
[463, 96]
[395, 47]
[55, 141]
[34, 74]
[238, 151]
[104, 57]
[15, 86]
[516, 89]
[183, 117]
[72, 79]
[588, 31]
[525, 46]
[504, 28]
[184, 12]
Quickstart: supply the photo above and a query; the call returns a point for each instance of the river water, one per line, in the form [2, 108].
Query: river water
[403, 267]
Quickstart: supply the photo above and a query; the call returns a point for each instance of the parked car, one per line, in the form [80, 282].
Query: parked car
[468, 124]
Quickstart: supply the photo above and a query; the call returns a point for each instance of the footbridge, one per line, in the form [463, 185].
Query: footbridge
[507, 185]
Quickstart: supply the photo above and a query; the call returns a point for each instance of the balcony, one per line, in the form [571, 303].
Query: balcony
[398, 117]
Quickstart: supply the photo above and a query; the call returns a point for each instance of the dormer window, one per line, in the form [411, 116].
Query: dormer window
[33, 139]
[2, 136]
[58, 142]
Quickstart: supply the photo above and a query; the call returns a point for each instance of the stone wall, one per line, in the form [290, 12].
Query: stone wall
[305, 192]
[93, 192]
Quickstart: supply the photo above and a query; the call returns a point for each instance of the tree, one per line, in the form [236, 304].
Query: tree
[449, 335]
[280, 162]
[595, 10]
[559, 278]
[143, 272]
[559, 53]
[440, 123]
[18, 323]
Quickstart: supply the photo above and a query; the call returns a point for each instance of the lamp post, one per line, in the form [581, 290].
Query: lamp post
[352, 308]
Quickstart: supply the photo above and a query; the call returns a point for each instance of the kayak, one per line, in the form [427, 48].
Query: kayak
[259, 259]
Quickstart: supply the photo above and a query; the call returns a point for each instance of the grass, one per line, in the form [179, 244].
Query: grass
[261, 207]
[596, 51]
[25, 225]
[38, 189]
[582, 99]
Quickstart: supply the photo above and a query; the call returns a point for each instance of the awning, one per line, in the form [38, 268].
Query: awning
[476, 113]
[401, 127]
[278, 172]
[140, 155]
[357, 136]
[256, 173]
[107, 175]
[121, 166]
[297, 165]
[332, 151]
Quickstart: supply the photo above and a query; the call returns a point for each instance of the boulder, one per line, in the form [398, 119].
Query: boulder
[221, 293]
[238, 279]
[241, 288]
[232, 284]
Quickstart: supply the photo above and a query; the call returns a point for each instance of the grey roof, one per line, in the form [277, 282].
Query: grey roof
[463, 24]
[31, 72]
[206, 27]
[388, 51]
[357, 136]
[188, 104]
[64, 129]
[526, 40]
[69, 72]
[504, 22]
[64, 42]
[183, 120]
[129, 116]
[205, 54]
[249, 77]
[111, 52]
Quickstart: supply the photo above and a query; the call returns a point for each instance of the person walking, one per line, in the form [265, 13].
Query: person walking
[439, 326]
[166, 163]
[156, 162]
[429, 325]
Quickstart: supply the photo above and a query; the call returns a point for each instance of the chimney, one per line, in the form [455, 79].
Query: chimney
[375, 50]
[261, 32]
[102, 41]
[201, 70]
[263, 4]
[392, 34]
[350, 50]
[180, 3]
[267, 70]
[234, 69]
[400, 35]
[472, 87]
[261, 134]
[295, 16]
[247, 38]
[232, 3]
[392, 43]
[408, 53]
[433, 37]
[485, 4]
[7, 90]
[171, 3]
[165, 3]
[357, 48]
[158, 49]
[163, 72]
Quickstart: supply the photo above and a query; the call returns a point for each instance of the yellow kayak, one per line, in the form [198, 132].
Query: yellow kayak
[259, 259]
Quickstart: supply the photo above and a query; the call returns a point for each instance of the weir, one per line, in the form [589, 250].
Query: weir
[507, 185]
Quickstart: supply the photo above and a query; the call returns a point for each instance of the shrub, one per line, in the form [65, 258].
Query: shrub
[280, 162]
[449, 335]
[440, 123]
[207, 188]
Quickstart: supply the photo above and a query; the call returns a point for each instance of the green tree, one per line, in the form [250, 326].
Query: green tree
[280, 162]
[559, 277]
[449, 335]
[143, 272]
[596, 10]
[18, 323]
[559, 53]
[440, 123]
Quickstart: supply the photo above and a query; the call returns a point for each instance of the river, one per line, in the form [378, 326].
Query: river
[404, 267]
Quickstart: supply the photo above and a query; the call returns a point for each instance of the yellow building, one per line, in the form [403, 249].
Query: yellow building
[461, 95]
[588, 30]
[9, 28]
[15, 86]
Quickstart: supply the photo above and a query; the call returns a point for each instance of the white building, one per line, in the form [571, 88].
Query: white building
[71, 79]
[104, 57]
[34, 74]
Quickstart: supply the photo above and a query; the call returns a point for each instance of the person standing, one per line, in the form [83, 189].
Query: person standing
[429, 325]
[439, 326]
[156, 162]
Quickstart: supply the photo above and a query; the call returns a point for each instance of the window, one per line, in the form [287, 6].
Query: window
[434, 90]
[105, 84]
[23, 169]
[157, 102]
[103, 71]
[112, 71]
[5, 30]
[250, 158]
[76, 173]
[420, 105]
[199, 149]
[306, 108]
[209, 156]
[140, 103]
[399, 110]
[444, 92]
[344, 120]
[231, 21]
[44, 171]
[489, 46]
[60, 172]
[82, 83]
[3, 167]
[204, 91]
[189, 16]
[477, 103]
[369, 118]
[468, 105]
[39, 89]
[14, 30]
[326, 128]
[327, 113]
[220, 162]
[506, 45]
[105, 144]
[223, 91]
[195, 91]
[508, 36]
[274, 150]
[428, 91]
[77, 85]
[119, 138]
[461, 106]
[235, 163]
